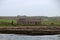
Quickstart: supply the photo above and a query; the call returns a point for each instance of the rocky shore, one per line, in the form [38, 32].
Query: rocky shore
[31, 30]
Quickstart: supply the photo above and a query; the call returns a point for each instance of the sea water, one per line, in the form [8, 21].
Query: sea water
[28, 37]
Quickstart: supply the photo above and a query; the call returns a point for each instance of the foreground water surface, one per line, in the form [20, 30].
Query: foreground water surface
[26, 37]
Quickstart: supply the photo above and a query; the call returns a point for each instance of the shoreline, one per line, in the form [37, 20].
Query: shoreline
[31, 30]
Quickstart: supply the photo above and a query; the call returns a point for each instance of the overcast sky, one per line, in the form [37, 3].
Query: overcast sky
[30, 7]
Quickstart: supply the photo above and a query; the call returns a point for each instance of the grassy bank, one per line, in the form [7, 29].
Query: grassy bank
[7, 22]
[10, 22]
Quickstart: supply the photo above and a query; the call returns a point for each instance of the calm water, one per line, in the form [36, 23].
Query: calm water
[25, 37]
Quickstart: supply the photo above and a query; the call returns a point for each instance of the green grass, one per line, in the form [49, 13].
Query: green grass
[50, 22]
[8, 22]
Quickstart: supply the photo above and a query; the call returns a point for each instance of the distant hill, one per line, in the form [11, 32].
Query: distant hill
[41, 17]
[8, 17]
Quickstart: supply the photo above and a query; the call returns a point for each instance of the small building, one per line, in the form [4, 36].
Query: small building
[28, 20]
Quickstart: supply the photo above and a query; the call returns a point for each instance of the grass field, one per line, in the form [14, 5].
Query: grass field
[52, 22]
[8, 22]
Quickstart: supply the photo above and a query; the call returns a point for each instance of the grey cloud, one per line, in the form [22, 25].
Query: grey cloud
[29, 7]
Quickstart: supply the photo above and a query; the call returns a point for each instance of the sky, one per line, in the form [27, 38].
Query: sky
[30, 7]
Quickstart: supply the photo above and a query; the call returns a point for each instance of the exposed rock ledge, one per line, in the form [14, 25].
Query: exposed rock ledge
[31, 30]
